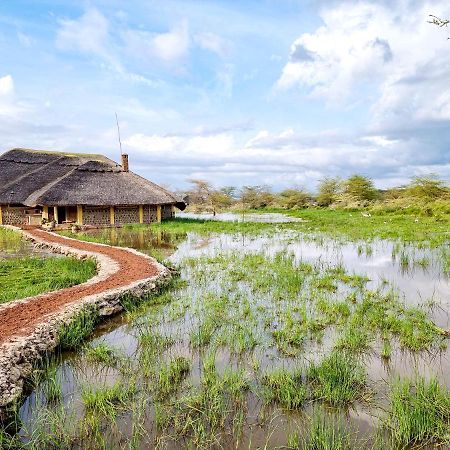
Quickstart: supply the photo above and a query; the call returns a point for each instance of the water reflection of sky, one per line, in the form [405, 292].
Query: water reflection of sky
[416, 284]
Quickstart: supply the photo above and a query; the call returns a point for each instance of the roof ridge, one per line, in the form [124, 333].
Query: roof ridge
[68, 154]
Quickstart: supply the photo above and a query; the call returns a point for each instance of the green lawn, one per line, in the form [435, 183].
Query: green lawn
[29, 276]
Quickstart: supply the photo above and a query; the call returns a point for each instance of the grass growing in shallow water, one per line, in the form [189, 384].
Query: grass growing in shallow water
[338, 380]
[73, 333]
[216, 361]
[419, 414]
[286, 388]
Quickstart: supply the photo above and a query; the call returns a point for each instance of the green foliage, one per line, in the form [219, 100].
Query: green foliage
[171, 375]
[285, 388]
[325, 433]
[293, 198]
[30, 276]
[102, 353]
[360, 188]
[10, 240]
[354, 339]
[328, 191]
[253, 197]
[429, 188]
[419, 413]
[73, 333]
[339, 379]
[107, 401]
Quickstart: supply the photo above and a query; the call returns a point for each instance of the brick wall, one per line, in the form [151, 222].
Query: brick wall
[14, 216]
[96, 215]
[126, 214]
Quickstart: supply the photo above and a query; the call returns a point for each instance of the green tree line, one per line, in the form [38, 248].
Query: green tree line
[357, 191]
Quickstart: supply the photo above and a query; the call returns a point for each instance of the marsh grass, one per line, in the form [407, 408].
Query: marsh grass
[355, 340]
[10, 240]
[171, 375]
[248, 318]
[30, 276]
[107, 401]
[102, 353]
[339, 379]
[285, 387]
[201, 416]
[73, 333]
[419, 413]
[326, 432]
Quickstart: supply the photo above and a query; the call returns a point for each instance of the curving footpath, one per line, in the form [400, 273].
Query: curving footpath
[29, 327]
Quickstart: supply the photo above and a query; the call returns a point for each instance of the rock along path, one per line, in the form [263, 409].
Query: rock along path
[120, 267]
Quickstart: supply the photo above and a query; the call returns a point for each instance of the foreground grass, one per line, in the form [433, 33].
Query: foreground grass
[420, 413]
[29, 276]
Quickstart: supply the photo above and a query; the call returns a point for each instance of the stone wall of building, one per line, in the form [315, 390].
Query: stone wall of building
[150, 214]
[126, 214]
[96, 215]
[14, 216]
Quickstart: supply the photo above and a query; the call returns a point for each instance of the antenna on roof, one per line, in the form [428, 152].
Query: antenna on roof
[118, 133]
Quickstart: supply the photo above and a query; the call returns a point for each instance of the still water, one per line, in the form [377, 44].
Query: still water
[416, 275]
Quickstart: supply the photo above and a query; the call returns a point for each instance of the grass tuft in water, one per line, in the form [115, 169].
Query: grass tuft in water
[102, 353]
[325, 433]
[107, 401]
[419, 413]
[338, 380]
[171, 375]
[285, 388]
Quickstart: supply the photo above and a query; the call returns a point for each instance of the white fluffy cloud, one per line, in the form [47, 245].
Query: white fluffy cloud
[281, 159]
[213, 43]
[89, 34]
[6, 86]
[372, 45]
[170, 47]
[10, 106]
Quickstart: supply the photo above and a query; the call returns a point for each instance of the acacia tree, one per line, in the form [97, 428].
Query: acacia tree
[360, 187]
[427, 187]
[199, 192]
[293, 198]
[254, 197]
[328, 190]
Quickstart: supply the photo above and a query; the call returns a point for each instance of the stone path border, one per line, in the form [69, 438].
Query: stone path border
[29, 327]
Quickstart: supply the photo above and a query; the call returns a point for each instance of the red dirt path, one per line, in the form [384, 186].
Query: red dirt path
[23, 317]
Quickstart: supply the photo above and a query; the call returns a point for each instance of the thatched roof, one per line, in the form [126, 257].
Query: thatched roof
[35, 177]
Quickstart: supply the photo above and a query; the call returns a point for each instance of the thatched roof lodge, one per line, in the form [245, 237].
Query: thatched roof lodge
[77, 188]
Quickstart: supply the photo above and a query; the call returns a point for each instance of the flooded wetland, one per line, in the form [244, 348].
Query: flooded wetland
[272, 336]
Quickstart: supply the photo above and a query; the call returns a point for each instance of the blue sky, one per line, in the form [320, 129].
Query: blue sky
[277, 92]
